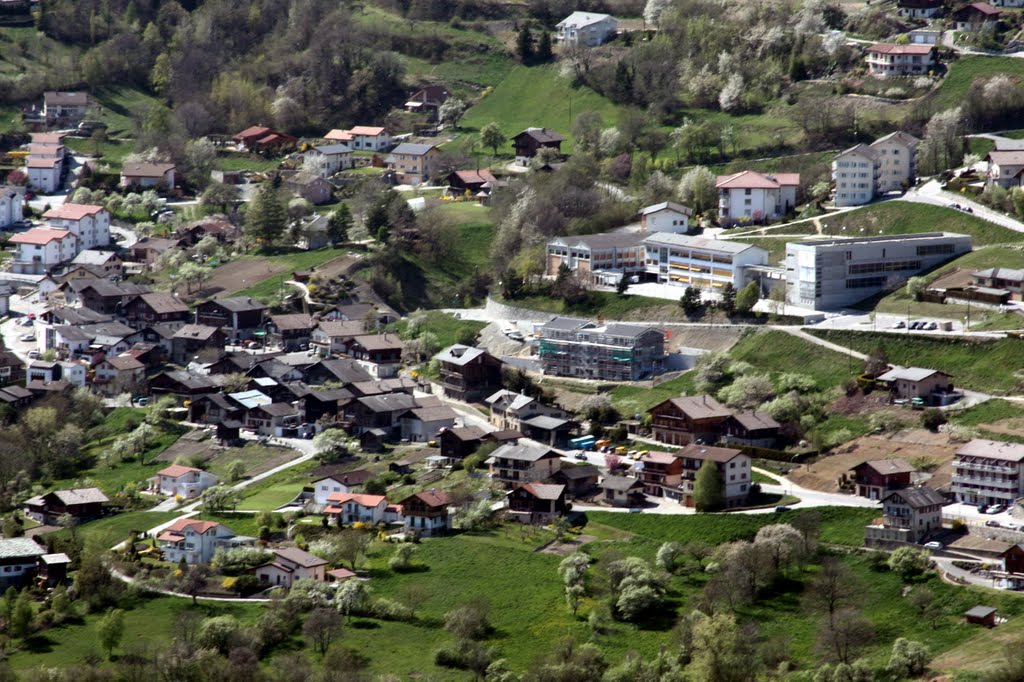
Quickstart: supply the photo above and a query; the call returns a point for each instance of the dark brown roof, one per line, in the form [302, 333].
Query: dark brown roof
[700, 407]
[163, 303]
[292, 322]
[702, 452]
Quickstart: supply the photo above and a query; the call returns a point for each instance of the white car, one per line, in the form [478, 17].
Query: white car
[934, 545]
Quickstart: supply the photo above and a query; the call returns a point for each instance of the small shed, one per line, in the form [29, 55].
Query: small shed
[229, 431]
[53, 569]
[339, 575]
[372, 440]
[981, 615]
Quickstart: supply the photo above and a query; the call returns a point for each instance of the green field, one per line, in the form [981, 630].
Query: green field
[631, 400]
[988, 412]
[298, 260]
[109, 531]
[965, 70]
[605, 303]
[777, 352]
[901, 217]
[537, 97]
[119, 107]
[447, 328]
[988, 365]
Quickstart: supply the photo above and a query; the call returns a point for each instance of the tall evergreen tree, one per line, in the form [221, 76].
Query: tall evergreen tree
[339, 224]
[266, 218]
[524, 44]
[544, 53]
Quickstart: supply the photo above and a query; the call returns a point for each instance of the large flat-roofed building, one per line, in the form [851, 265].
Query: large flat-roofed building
[616, 352]
[596, 253]
[824, 274]
[988, 472]
[700, 262]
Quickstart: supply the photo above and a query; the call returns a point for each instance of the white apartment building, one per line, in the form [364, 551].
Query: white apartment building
[864, 172]
[988, 472]
[328, 159]
[12, 205]
[44, 173]
[91, 224]
[705, 263]
[41, 248]
[825, 274]
[753, 196]
[586, 29]
[668, 216]
[888, 59]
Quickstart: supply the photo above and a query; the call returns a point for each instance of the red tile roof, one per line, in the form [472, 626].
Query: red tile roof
[39, 236]
[73, 211]
[372, 131]
[890, 48]
[361, 500]
[176, 471]
[339, 135]
[198, 526]
[253, 131]
[753, 180]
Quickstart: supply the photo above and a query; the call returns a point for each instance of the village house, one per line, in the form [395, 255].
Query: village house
[537, 502]
[52, 569]
[340, 483]
[274, 419]
[753, 428]
[64, 109]
[155, 307]
[468, 373]
[239, 315]
[19, 558]
[1005, 168]
[889, 59]
[909, 515]
[734, 467]
[149, 249]
[148, 176]
[39, 249]
[908, 383]
[349, 508]
[313, 188]
[181, 481]
[756, 197]
[658, 471]
[262, 139]
[579, 481]
[182, 384]
[290, 564]
[291, 331]
[363, 138]
[427, 513]
[12, 205]
[926, 36]
[90, 223]
[100, 295]
[428, 100]
[381, 411]
[586, 29]
[414, 164]
[668, 216]
[81, 504]
[532, 140]
[193, 232]
[470, 183]
[988, 472]
[423, 424]
[622, 491]
[461, 442]
[510, 409]
[877, 478]
[326, 160]
[12, 369]
[514, 464]
[679, 421]
[1008, 279]
[334, 336]
[977, 16]
[193, 338]
[44, 173]
[553, 431]
[194, 541]
[378, 354]
[98, 263]
[119, 374]
[919, 9]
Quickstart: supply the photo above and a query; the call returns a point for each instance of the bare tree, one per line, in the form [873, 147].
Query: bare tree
[845, 636]
[321, 628]
[834, 588]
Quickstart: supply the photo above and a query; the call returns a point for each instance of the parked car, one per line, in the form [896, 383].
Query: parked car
[781, 509]
[899, 325]
[27, 323]
[932, 326]
[580, 455]
[996, 509]
[934, 545]
[33, 354]
[982, 508]
[27, 337]
[516, 336]
[992, 523]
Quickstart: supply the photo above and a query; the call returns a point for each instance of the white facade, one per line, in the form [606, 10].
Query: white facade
[667, 216]
[193, 541]
[352, 508]
[73, 372]
[898, 154]
[865, 172]
[825, 274]
[91, 224]
[188, 482]
[988, 472]
[327, 160]
[1004, 168]
[888, 59]
[700, 262]
[371, 139]
[586, 29]
[12, 204]
[326, 487]
[44, 174]
[41, 248]
[756, 197]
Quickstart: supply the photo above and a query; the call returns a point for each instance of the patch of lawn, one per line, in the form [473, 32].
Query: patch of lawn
[120, 106]
[988, 412]
[778, 352]
[987, 365]
[277, 490]
[245, 162]
[536, 97]
[902, 217]
[257, 459]
[241, 523]
[965, 70]
[298, 260]
[605, 303]
[980, 146]
[110, 152]
[447, 328]
[109, 531]
[630, 400]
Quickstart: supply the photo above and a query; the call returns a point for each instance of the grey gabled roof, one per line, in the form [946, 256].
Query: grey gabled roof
[413, 149]
[459, 354]
[667, 205]
[16, 548]
[918, 497]
[566, 324]
[909, 374]
[522, 453]
[333, 149]
[621, 483]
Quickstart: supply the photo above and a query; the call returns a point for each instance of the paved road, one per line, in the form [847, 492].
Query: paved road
[932, 193]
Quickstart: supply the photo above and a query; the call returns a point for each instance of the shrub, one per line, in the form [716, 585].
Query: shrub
[908, 659]
[908, 562]
[388, 609]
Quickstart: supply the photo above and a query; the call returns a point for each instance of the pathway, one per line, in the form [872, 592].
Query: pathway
[796, 331]
[932, 193]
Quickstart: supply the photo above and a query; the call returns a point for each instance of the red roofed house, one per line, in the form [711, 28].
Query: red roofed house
[194, 541]
[887, 59]
[537, 502]
[90, 223]
[749, 195]
[41, 248]
[366, 138]
[259, 138]
[426, 513]
[428, 100]
[353, 508]
[977, 16]
[148, 175]
[180, 480]
[44, 172]
[290, 564]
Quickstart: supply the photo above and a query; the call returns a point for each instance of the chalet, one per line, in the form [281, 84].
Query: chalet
[261, 139]
[149, 249]
[470, 183]
[378, 354]
[919, 9]
[100, 295]
[459, 443]
[181, 383]
[194, 541]
[334, 336]
[324, 404]
[658, 471]
[553, 431]
[910, 515]
[273, 419]
[468, 373]
[194, 232]
[19, 558]
[290, 564]
[907, 383]
[81, 504]
[193, 338]
[514, 464]
[754, 428]
[414, 163]
[119, 374]
[678, 421]
[154, 307]
[579, 481]
[427, 513]
[977, 16]
[339, 483]
[52, 569]
[292, 331]
[428, 100]
[532, 140]
[16, 397]
[1005, 167]
[181, 481]
[213, 408]
[99, 263]
[313, 188]
[12, 369]
[509, 409]
[537, 502]
[148, 175]
[622, 491]
[1010, 279]
[361, 389]
[342, 370]
[877, 478]
[1012, 559]
[239, 315]
[423, 424]
[381, 411]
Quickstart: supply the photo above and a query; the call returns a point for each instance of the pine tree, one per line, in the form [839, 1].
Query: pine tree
[622, 284]
[691, 301]
[544, 53]
[266, 218]
[707, 487]
[728, 303]
[524, 44]
[339, 224]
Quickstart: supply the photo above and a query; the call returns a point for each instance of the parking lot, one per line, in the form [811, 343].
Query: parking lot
[969, 514]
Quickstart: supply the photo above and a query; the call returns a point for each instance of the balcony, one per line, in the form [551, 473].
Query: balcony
[998, 469]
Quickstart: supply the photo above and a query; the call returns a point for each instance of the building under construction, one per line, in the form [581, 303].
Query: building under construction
[615, 352]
